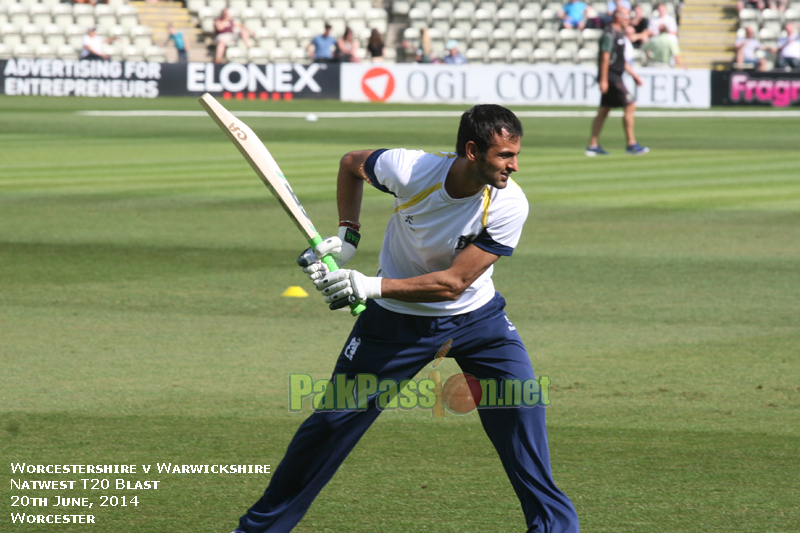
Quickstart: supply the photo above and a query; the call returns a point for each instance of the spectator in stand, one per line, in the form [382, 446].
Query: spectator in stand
[662, 18]
[788, 50]
[177, 38]
[746, 48]
[639, 24]
[593, 20]
[228, 32]
[375, 46]
[347, 48]
[572, 15]
[453, 57]
[323, 46]
[752, 4]
[663, 50]
[630, 51]
[92, 45]
[778, 5]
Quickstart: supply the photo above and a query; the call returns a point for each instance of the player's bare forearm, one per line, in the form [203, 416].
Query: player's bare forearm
[442, 286]
[605, 60]
[350, 184]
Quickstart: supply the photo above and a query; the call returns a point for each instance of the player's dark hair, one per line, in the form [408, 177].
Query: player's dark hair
[481, 123]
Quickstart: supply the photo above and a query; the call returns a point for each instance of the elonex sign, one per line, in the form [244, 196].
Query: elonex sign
[235, 77]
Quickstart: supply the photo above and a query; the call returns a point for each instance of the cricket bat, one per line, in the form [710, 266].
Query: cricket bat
[267, 169]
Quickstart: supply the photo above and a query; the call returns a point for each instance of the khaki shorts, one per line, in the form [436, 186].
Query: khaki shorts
[227, 37]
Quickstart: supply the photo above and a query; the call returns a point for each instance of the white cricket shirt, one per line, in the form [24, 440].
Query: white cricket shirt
[428, 228]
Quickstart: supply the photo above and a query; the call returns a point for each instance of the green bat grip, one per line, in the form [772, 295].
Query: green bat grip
[355, 307]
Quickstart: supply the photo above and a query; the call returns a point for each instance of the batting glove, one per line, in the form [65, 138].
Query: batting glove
[344, 287]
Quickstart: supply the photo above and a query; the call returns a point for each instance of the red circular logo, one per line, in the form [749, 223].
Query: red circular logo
[378, 84]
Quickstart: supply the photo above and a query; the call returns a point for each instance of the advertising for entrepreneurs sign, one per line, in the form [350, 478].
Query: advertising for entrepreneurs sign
[142, 79]
[515, 85]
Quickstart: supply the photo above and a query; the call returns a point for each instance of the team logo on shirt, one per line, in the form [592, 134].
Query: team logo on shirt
[409, 220]
[463, 241]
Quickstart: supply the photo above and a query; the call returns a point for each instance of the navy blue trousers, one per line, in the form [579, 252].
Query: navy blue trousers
[396, 346]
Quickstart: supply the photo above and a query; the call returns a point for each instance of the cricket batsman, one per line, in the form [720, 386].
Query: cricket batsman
[454, 215]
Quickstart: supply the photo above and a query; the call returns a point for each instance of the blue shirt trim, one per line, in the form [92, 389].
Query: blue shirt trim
[369, 168]
[487, 244]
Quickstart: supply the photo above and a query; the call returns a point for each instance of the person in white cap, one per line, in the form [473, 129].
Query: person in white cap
[453, 57]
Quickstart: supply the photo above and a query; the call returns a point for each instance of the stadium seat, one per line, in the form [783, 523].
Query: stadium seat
[10, 33]
[771, 19]
[418, 18]
[496, 56]
[74, 35]
[355, 19]
[280, 5]
[54, 35]
[519, 56]
[474, 55]
[586, 57]
[292, 19]
[105, 15]
[524, 40]
[235, 54]
[127, 16]
[400, 8]
[17, 14]
[411, 36]
[279, 55]
[272, 19]
[600, 8]
[792, 14]
[335, 18]
[506, 19]
[484, 20]
[363, 5]
[568, 39]
[66, 51]
[23, 51]
[141, 36]
[479, 40]
[390, 55]
[83, 15]
[462, 19]
[217, 6]
[529, 20]
[563, 55]
[45, 51]
[501, 40]
[251, 19]
[61, 14]
[489, 5]
[768, 37]
[341, 5]
[155, 54]
[321, 5]
[541, 56]
[258, 5]
[287, 38]
[458, 35]
[437, 41]
[546, 40]
[40, 14]
[590, 37]
[194, 6]
[440, 19]
[550, 19]
[32, 35]
[258, 55]
[238, 5]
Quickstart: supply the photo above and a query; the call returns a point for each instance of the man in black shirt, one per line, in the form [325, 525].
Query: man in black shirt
[611, 66]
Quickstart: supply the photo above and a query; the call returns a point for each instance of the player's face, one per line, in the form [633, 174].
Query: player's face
[500, 161]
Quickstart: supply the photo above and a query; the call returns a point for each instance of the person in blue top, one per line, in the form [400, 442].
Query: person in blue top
[323, 45]
[572, 15]
[177, 38]
[453, 57]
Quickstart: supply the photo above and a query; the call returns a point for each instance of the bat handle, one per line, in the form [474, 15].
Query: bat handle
[355, 307]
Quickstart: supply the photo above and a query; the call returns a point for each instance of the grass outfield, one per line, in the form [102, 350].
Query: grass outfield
[142, 321]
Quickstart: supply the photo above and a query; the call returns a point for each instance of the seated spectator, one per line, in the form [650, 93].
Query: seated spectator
[228, 32]
[662, 18]
[593, 20]
[746, 48]
[663, 49]
[639, 23]
[778, 5]
[750, 4]
[375, 46]
[788, 50]
[92, 45]
[453, 57]
[323, 46]
[347, 48]
[630, 51]
[572, 15]
[421, 57]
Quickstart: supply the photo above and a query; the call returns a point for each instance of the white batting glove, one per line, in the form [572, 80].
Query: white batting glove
[344, 287]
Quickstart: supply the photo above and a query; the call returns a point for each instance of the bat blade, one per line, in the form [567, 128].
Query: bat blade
[261, 161]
